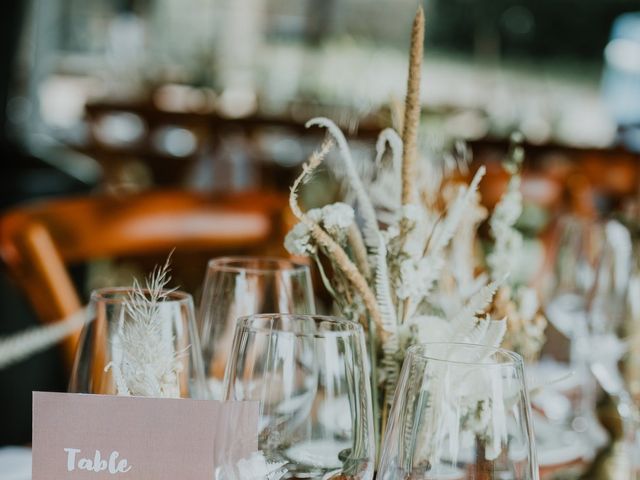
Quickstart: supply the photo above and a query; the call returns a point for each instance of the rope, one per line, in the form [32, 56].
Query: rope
[19, 346]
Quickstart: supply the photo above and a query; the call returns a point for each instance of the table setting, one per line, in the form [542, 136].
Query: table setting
[427, 365]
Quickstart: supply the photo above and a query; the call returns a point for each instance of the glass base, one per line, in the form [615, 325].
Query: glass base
[319, 460]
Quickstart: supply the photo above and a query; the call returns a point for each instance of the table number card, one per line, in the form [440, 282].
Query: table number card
[87, 437]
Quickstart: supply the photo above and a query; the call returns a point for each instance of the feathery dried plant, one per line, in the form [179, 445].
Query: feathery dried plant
[145, 361]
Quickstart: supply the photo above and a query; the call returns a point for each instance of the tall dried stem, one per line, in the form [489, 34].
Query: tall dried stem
[331, 247]
[412, 108]
[359, 250]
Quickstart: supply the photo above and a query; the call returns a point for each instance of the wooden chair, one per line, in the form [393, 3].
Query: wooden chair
[39, 240]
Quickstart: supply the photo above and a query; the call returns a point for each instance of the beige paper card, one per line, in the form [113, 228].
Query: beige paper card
[96, 437]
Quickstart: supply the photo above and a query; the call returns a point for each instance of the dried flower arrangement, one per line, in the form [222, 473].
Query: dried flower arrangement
[145, 362]
[406, 265]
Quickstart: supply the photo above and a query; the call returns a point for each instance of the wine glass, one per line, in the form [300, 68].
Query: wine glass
[579, 249]
[239, 286]
[610, 302]
[311, 379]
[607, 298]
[121, 352]
[460, 411]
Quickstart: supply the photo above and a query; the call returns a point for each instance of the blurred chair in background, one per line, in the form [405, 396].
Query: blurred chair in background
[39, 241]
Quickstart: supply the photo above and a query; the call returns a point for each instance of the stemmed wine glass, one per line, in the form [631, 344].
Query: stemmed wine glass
[577, 259]
[120, 353]
[577, 256]
[239, 286]
[310, 377]
[609, 304]
[460, 411]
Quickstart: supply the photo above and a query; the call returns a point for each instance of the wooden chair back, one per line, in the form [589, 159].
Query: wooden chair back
[38, 241]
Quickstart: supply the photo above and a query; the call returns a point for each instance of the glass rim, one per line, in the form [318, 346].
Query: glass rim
[279, 264]
[118, 295]
[243, 323]
[419, 350]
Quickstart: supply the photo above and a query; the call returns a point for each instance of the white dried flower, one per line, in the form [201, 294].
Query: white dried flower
[508, 240]
[416, 279]
[407, 284]
[337, 217]
[509, 209]
[298, 241]
[315, 214]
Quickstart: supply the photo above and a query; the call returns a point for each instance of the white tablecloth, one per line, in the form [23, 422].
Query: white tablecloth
[15, 463]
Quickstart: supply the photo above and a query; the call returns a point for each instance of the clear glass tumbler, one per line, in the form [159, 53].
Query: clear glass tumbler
[151, 351]
[311, 379]
[460, 411]
[239, 286]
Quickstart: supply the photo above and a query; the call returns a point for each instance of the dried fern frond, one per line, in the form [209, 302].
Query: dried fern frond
[445, 231]
[477, 304]
[383, 292]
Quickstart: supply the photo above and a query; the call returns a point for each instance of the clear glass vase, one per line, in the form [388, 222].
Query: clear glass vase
[460, 411]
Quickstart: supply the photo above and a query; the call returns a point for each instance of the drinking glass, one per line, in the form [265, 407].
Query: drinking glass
[311, 379]
[578, 250]
[239, 286]
[607, 298]
[609, 308]
[123, 353]
[578, 255]
[460, 411]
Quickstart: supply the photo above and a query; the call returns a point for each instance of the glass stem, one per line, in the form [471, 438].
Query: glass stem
[629, 418]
